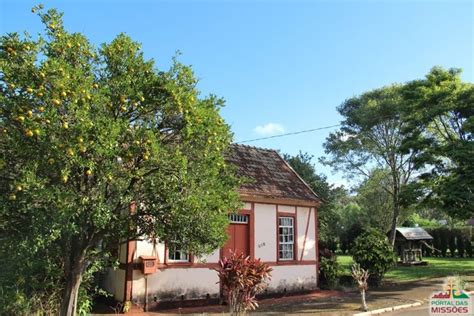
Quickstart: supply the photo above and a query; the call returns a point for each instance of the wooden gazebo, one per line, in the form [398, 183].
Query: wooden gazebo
[408, 242]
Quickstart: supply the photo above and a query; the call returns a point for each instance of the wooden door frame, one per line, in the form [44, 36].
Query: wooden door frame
[251, 232]
[251, 229]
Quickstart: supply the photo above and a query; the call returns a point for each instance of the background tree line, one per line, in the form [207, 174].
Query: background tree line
[409, 147]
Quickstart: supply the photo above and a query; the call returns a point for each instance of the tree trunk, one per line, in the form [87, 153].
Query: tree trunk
[364, 303]
[393, 227]
[396, 207]
[69, 301]
[73, 283]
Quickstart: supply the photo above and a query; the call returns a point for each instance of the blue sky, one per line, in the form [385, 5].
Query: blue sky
[282, 66]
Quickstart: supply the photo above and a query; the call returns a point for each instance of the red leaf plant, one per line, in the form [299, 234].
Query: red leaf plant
[242, 278]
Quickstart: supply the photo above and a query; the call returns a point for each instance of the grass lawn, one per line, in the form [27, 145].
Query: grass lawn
[437, 267]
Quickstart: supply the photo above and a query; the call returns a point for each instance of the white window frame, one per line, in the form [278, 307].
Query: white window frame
[238, 219]
[282, 242]
[172, 249]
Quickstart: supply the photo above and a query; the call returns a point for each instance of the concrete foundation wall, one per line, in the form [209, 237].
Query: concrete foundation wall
[293, 278]
[174, 284]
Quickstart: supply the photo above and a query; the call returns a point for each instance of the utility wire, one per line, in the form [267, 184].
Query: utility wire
[289, 134]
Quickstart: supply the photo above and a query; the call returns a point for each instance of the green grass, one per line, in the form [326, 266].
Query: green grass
[437, 267]
[345, 262]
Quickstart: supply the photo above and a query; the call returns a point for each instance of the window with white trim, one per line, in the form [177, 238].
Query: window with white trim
[238, 219]
[286, 238]
[176, 254]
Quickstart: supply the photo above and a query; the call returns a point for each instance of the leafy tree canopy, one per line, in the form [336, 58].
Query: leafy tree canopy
[86, 132]
[370, 138]
[439, 111]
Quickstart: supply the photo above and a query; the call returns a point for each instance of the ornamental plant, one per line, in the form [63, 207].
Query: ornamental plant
[361, 276]
[373, 252]
[241, 279]
[329, 269]
[86, 132]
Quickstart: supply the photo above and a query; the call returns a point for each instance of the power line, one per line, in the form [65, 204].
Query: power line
[289, 134]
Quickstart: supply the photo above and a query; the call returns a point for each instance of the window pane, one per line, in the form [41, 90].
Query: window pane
[234, 218]
[176, 254]
[286, 238]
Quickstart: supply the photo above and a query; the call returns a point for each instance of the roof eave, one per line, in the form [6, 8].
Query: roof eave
[265, 199]
[417, 238]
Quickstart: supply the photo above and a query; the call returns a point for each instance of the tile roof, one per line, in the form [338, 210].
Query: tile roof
[414, 233]
[269, 174]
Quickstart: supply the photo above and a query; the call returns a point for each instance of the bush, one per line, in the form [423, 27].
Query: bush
[241, 279]
[468, 246]
[373, 252]
[330, 244]
[347, 237]
[436, 241]
[457, 240]
[452, 243]
[460, 240]
[443, 241]
[329, 270]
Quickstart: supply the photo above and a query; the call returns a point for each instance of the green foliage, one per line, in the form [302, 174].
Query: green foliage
[452, 244]
[444, 237]
[375, 201]
[416, 219]
[374, 253]
[30, 278]
[329, 270]
[460, 243]
[86, 131]
[350, 234]
[468, 246]
[330, 215]
[440, 123]
[457, 240]
[241, 279]
[370, 138]
[436, 240]
[422, 128]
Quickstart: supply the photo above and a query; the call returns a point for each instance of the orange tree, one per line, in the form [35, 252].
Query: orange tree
[85, 132]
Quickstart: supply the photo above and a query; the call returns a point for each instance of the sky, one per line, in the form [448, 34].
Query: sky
[282, 66]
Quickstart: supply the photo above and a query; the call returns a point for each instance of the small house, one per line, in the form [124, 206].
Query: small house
[408, 242]
[278, 224]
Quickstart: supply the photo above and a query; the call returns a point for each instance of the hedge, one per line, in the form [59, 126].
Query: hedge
[450, 242]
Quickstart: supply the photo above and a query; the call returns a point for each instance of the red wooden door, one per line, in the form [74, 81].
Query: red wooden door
[238, 241]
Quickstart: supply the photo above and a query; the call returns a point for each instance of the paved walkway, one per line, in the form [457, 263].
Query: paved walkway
[334, 302]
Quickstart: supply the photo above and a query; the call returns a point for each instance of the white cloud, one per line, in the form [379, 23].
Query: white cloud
[269, 129]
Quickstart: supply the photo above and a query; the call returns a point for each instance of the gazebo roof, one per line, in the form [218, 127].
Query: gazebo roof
[414, 233]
